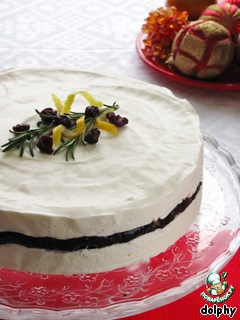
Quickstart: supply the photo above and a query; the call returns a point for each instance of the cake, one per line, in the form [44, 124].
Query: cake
[120, 201]
[202, 49]
[225, 14]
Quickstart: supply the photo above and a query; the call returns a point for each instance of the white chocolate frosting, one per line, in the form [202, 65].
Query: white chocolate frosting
[122, 182]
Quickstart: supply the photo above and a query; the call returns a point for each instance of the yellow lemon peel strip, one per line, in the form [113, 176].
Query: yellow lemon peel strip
[68, 103]
[109, 127]
[57, 135]
[90, 99]
[64, 108]
[58, 103]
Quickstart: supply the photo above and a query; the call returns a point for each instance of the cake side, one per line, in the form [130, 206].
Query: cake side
[122, 183]
[105, 259]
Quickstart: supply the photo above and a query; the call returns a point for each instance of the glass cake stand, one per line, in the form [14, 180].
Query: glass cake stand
[209, 244]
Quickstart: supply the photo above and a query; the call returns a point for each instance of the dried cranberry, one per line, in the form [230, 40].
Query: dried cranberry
[21, 127]
[117, 120]
[47, 115]
[45, 144]
[92, 136]
[91, 112]
[62, 119]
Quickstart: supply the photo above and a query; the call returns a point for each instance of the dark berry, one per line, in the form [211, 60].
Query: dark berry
[92, 136]
[21, 127]
[47, 115]
[117, 120]
[91, 112]
[62, 119]
[45, 144]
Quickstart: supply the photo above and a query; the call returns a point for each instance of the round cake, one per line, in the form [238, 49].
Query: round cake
[115, 203]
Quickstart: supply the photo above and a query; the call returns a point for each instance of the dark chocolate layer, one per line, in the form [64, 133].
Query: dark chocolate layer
[94, 242]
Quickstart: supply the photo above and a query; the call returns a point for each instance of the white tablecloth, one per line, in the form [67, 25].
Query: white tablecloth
[101, 35]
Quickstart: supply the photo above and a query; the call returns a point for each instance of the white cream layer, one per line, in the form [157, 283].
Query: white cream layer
[100, 260]
[123, 182]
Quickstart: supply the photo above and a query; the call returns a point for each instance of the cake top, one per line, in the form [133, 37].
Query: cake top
[133, 169]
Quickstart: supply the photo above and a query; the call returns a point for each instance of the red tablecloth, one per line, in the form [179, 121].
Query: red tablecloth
[188, 308]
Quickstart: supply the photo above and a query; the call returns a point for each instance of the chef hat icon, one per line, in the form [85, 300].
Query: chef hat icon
[213, 278]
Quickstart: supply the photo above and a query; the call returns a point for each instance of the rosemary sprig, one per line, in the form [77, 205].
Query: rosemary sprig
[104, 109]
[43, 135]
[69, 145]
[24, 138]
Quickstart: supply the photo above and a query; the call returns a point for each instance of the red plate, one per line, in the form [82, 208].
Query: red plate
[228, 80]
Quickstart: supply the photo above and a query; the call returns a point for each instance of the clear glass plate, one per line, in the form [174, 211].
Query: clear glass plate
[209, 244]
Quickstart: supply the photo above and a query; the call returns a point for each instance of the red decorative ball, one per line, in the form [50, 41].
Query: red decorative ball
[202, 49]
[226, 14]
[235, 2]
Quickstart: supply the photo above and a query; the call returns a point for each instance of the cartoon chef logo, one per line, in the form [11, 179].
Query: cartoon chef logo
[215, 284]
[217, 288]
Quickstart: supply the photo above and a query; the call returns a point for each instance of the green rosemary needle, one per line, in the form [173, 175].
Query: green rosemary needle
[70, 146]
